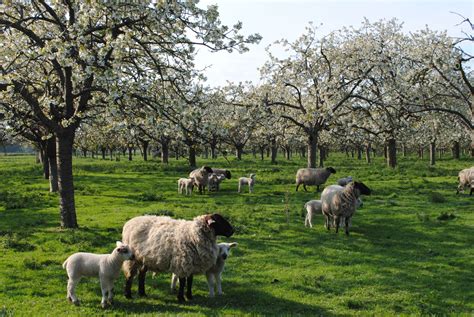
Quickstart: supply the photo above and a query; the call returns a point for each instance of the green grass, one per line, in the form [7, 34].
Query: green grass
[410, 250]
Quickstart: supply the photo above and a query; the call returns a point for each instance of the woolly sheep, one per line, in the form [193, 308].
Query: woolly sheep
[221, 171]
[338, 201]
[466, 178]
[214, 274]
[106, 266]
[344, 181]
[186, 184]
[215, 181]
[314, 207]
[182, 247]
[201, 177]
[313, 176]
[250, 181]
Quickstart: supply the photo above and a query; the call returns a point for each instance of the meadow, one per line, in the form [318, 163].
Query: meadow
[410, 251]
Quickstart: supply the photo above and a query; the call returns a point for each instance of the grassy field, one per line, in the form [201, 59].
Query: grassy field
[410, 250]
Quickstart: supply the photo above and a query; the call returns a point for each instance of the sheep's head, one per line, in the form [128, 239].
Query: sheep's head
[227, 174]
[220, 226]
[207, 169]
[362, 189]
[331, 170]
[224, 249]
[124, 251]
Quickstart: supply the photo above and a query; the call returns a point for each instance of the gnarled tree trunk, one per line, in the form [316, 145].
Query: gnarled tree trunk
[312, 146]
[65, 140]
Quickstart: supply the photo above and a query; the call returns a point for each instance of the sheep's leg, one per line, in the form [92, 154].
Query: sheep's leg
[470, 193]
[239, 188]
[347, 225]
[336, 222]
[104, 288]
[110, 298]
[189, 287]
[141, 281]
[304, 187]
[182, 284]
[71, 290]
[210, 283]
[297, 186]
[317, 188]
[174, 279]
[130, 270]
[326, 222]
[219, 283]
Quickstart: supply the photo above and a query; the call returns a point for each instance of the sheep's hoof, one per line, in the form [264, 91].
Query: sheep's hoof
[189, 296]
[104, 305]
[76, 303]
[181, 299]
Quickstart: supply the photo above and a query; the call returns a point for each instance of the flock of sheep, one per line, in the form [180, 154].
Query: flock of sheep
[188, 247]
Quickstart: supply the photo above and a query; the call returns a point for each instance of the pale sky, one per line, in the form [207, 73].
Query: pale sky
[277, 19]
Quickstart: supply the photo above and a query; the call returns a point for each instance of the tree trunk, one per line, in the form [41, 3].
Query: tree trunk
[392, 153]
[312, 147]
[385, 151]
[432, 153]
[321, 156]
[268, 152]
[404, 150]
[130, 153]
[367, 153]
[165, 152]
[44, 159]
[145, 144]
[274, 151]
[262, 152]
[303, 151]
[455, 150]
[53, 166]
[238, 151]
[359, 152]
[103, 150]
[213, 151]
[192, 155]
[206, 152]
[65, 141]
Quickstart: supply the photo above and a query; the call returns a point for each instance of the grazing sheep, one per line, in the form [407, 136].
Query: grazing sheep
[201, 177]
[247, 181]
[466, 178]
[215, 182]
[105, 266]
[186, 184]
[222, 171]
[313, 176]
[344, 181]
[182, 247]
[338, 201]
[313, 207]
[214, 274]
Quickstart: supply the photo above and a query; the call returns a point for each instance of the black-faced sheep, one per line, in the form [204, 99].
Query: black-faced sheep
[222, 171]
[182, 247]
[466, 179]
[313, 176]
[105, 266]
[201, 177]
[338, 201]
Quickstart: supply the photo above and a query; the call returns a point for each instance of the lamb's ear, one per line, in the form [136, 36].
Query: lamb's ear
[119, 244]
[233, 244]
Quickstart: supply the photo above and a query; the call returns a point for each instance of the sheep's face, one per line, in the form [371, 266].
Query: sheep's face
[331, 170]
[224, 249]
[124, 251]
[363, 190]
[220, 226]
[207, 169]
[227, 174]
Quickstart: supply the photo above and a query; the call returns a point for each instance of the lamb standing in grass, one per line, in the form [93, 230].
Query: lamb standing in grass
[313, 176]
[250, 181]
[466, 178]
[106, 266]
[182, 247]
[338, 201]
[201, 177]
[214, 274]
[186, 184]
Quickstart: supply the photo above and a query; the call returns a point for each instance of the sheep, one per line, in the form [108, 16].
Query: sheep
[344, 181]
[187, 184]
[214, 274]
[106, 266]
[182, 247]
[215, 181]
[221, 171]
[313, 176]
[338, 201]
[466, 178]
[313, 207]
[247, 181]
[201, 177]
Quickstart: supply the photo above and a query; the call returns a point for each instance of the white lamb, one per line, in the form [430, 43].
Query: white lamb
[186, 184]
[214, 274]
[250, 181]
[105, 266]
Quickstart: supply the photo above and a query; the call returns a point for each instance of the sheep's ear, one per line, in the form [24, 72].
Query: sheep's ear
[210, 221]
[118, 243]
[233, 244]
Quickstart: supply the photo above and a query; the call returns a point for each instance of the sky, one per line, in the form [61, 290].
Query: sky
[277, 19]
